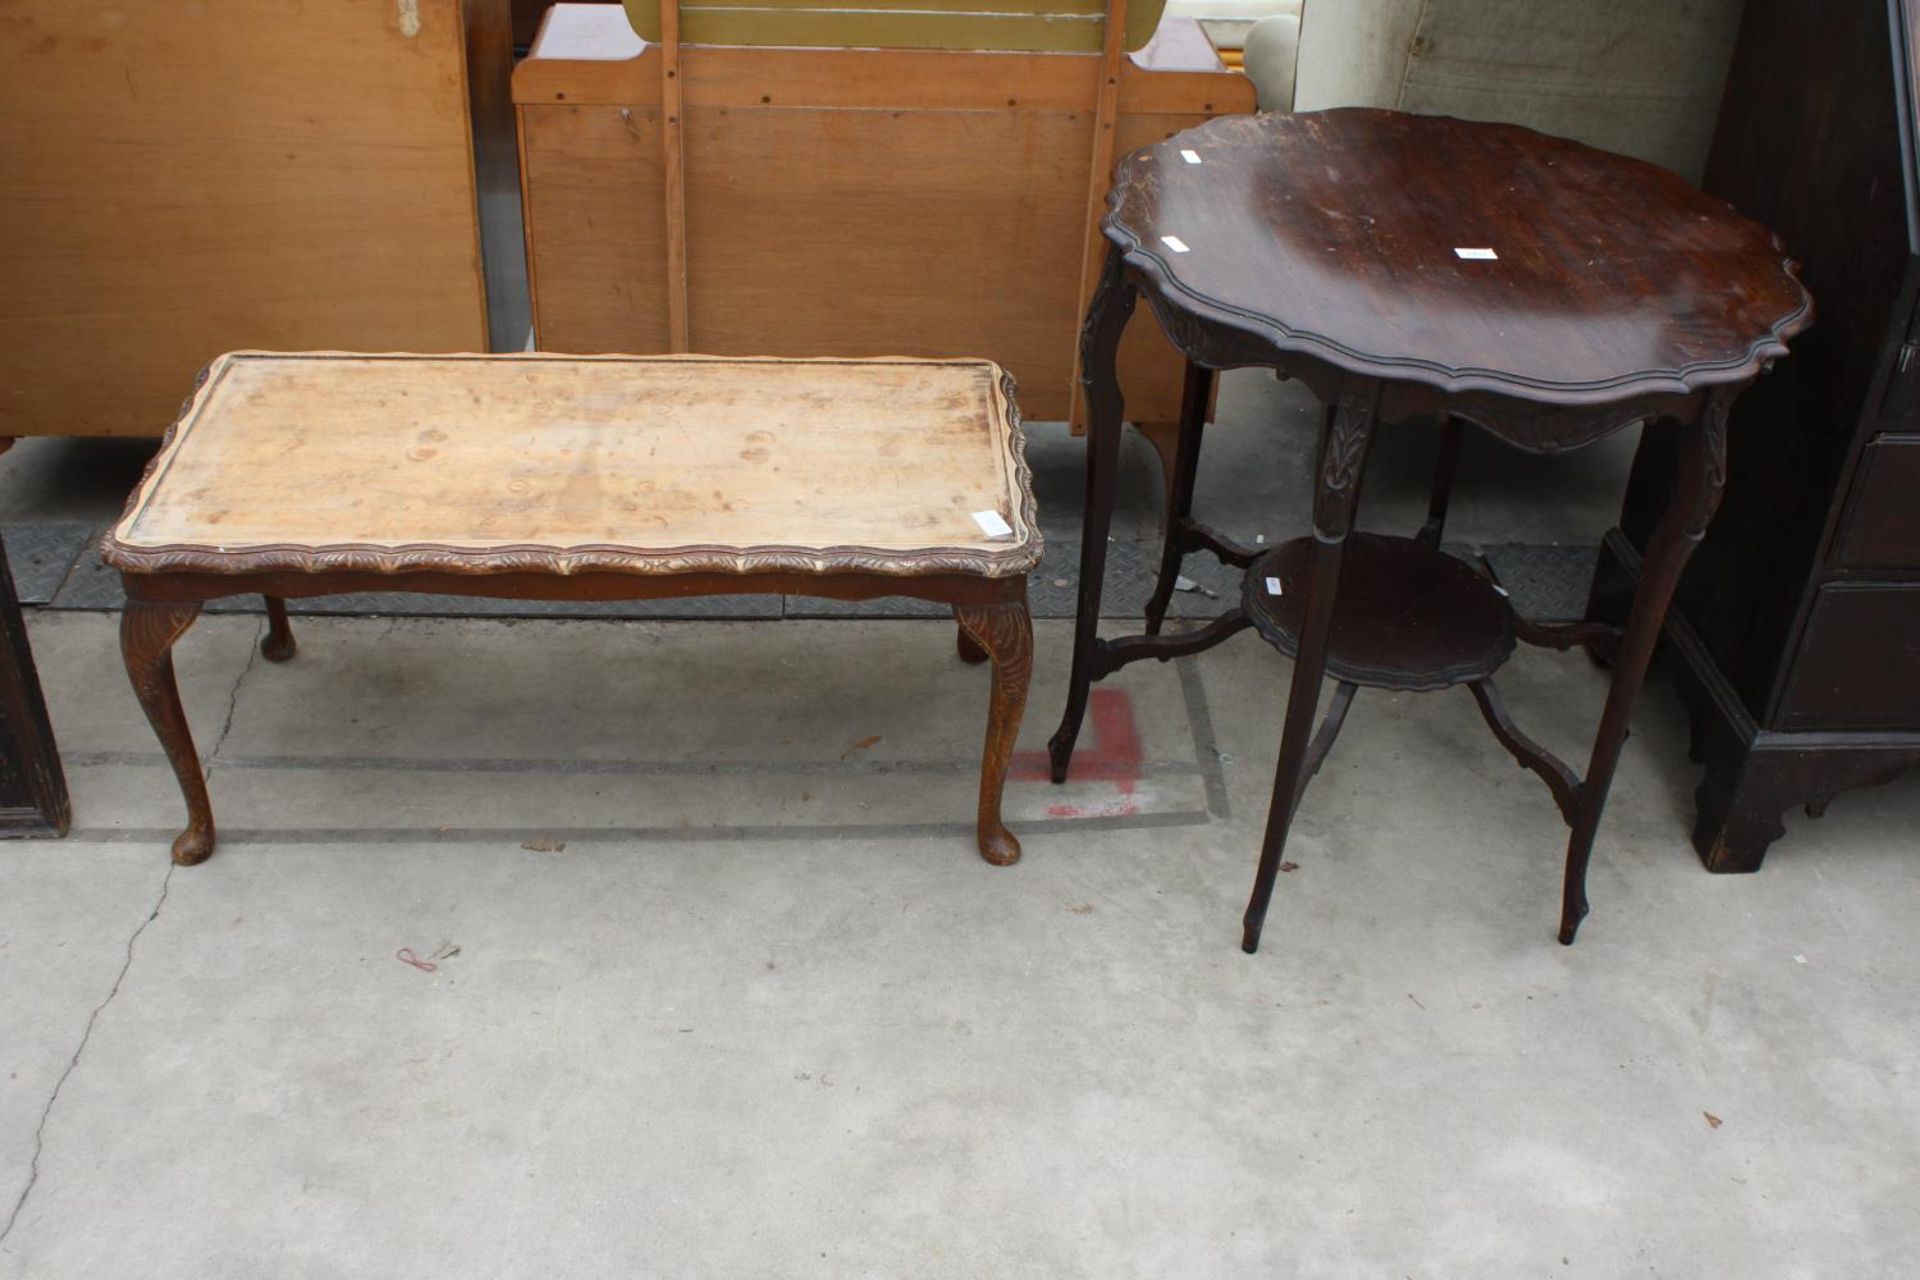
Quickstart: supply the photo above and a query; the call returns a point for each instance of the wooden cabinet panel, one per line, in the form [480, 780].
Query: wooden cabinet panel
[1858, 666]
[1883, 520]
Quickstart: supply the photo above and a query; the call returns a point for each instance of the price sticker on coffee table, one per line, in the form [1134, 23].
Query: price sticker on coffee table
[992, 523]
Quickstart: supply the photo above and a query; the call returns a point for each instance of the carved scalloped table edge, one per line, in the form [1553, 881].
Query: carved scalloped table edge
[1013, 560]
[1219, 335]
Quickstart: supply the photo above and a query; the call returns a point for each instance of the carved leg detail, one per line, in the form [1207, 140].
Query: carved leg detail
[1194, 398]
[147, 632]
[277, 645]
[1343, 453]
[1005, 633]
[970, 650]
[1107, 317]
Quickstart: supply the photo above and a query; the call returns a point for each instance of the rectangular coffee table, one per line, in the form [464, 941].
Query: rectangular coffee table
[583, 478]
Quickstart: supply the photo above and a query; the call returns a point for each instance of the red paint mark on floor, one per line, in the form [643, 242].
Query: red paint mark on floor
[1109, 751]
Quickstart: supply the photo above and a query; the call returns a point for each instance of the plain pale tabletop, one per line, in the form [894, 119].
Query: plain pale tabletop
[1463, 255]
[638, 464]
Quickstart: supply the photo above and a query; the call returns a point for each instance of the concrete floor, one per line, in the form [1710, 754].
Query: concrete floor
[766, 1013]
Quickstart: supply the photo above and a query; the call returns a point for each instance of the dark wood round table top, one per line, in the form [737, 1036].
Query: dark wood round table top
[1466, 256]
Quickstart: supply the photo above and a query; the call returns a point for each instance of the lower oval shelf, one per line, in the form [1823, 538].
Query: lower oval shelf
[1407, 616]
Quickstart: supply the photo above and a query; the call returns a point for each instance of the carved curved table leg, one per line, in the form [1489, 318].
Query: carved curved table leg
[1107, 317]
[1194, 397]
[1696, 495]
[1343, 454]
[277, 645]
[970, 650]
[1005, 631]
[147, 632]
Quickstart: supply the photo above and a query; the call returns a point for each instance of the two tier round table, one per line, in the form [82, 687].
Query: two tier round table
[1416, 269]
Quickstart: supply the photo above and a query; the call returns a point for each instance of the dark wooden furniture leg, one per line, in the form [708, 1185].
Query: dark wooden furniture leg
[1696, 495]
[1107, 319]
[277, 645]
[148, 629]
[1005, 632]
[1194, 397]
[1440, 497]
[33, 787]
[969, 648]
[1343, 455]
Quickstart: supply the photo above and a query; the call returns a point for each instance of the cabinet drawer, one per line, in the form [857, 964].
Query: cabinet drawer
[1859, 662]
[1882, 529]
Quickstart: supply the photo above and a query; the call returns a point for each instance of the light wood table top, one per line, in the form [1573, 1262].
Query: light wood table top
[564, 464]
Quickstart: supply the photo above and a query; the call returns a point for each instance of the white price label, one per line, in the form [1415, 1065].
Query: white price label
[992, 524]
[1477, 255]
[1273, 586]
[1191, 157]
[1174, 243]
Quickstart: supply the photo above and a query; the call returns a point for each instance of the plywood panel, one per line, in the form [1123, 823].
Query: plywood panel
[834, 232]
[889, 233]
[596, 237]
[186, 179]
[844, 202]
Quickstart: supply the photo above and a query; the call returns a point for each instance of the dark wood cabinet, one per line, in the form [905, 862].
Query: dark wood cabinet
[1797, 626]
[33, 790]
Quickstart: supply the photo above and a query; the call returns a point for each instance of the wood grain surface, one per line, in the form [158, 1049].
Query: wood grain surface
[641, 464]
[1587, 277]
[183, 180]
[855, 202]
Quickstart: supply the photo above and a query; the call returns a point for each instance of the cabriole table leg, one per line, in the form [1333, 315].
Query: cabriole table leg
[1343, 455]
[277, 645]
[1195, 395]
[1107, 319]
[147, 632]
[1696, 496]
[1005, 632]
[969, 649]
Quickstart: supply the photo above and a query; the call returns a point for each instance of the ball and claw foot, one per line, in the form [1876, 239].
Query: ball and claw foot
[1000, 847]
[193, 846]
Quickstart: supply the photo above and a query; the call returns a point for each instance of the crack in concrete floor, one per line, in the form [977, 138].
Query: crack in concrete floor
[93, 1018]
[46, 1112]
